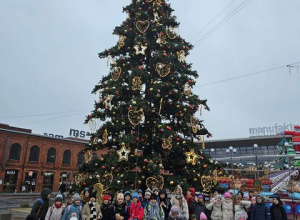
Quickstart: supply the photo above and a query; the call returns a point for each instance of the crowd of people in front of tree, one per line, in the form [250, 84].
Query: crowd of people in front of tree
[158, 204]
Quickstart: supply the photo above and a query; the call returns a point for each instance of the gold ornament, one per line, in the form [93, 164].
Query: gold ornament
[106, 181]
[107, 101]
[161, 38]
[207, 183]
[161, 100]
[191, 157]
[187, 89]
[203, 143]
[163, 69]
[181, 56]
[194, 123]
[123, 153]
[98, 187]
[142, 26]
[116, 72]
[88, 156]
[121, 42]
[171, 183]
[136, 117]
[171, 32]
[95, 140]
[137, 83]
[156, 17]
[105, 137]
[157, 2]
[79, 178]
[167, 143]
[140, 49]
[152, 182]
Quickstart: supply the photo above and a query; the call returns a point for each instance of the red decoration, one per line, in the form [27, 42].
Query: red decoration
[140, 68]
[146, 161]
[84, 184]
[103, 167]
[204, 166]
[169, 128]
[132, 185]
[126, 181]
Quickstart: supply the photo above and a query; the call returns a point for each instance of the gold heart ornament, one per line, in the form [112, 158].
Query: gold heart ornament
[153, 182]
[163, 69]
[142, 26]
[206, 182]
[136, 117]
[116, 72]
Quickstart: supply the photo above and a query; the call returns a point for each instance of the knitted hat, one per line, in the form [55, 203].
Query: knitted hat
[276, 197]
[203, 216]
[226, 195]
[140, 191]
[175, 209]
[200, 196]
[127, 193]
[231, 191]
[106, 197]
[193, 216]
[246, 196]
[76, 197]
[135, 195]
[253, 198]
[73, 218]
[92, 194]
[59, 197]
[192, 190]
[148, 192]
[153, 196]
[218, 197]
[155, 189]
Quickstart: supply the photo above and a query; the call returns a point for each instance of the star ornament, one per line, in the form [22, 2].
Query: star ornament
[123, 153]
[191, 157]
[140, 49]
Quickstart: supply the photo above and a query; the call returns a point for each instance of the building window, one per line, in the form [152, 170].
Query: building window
[51, 155]
[80, 158]
[15, 152]
[67, 157]
[34, 154]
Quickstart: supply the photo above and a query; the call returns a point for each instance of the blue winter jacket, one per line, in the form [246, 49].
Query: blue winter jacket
[70, 209]
[260, 212]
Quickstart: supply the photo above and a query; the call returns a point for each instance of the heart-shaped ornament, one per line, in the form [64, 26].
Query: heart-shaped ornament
[116, 72]
[142, 26]
[163, 69]
[153, 182]
[106, 181]
[136, 117]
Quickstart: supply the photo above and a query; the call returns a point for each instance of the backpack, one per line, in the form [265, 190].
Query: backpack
[41, 204]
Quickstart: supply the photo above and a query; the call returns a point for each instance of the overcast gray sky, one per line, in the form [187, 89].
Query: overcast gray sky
[49, 62]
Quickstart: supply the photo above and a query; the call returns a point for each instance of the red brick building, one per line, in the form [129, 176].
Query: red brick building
[31, 162]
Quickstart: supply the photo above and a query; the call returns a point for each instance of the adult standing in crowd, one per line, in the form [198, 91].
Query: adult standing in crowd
[40, 207]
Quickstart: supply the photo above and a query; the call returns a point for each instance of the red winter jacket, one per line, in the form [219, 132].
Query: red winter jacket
[136, 211]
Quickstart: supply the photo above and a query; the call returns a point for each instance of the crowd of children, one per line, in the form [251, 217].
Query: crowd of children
[156, 204]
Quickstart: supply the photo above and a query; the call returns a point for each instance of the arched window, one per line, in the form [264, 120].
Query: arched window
[67, 157]
[51, 155]
[34, 154]
[80, 158]
[15, 152]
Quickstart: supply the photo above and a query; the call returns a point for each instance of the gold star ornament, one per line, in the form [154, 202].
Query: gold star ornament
[123, 153]
[191, 157]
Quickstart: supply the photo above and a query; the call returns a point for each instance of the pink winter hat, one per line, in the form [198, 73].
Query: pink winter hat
[203, 216]
[227, 195]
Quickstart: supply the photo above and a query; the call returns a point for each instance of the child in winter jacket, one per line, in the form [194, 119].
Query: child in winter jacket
[55, 212]
[120, 209]
[136, 210]
[240, 208]
[175, 213]
[74, 209]
[153, 211]
[227, 207]
[91, 210]
[165, 203]
[216, 206]
[180, 202]
[107, 209]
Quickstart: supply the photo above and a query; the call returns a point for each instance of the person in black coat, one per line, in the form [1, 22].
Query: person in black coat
[40, 207]
[277, 209]
[120, 208]
[164, 202]
[198, 205]
[259, 211]
[107, 209]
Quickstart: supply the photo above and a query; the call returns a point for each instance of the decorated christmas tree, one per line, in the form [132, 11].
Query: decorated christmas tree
[147, 109]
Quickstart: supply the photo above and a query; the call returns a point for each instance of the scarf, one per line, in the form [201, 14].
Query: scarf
[153, 211]
[58, 206]
[93, 212]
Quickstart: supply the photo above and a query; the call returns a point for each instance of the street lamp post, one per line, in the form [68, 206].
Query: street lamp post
[256, 161]
[212, 151]
[231, 150]
[241, 166]
[286, 145]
